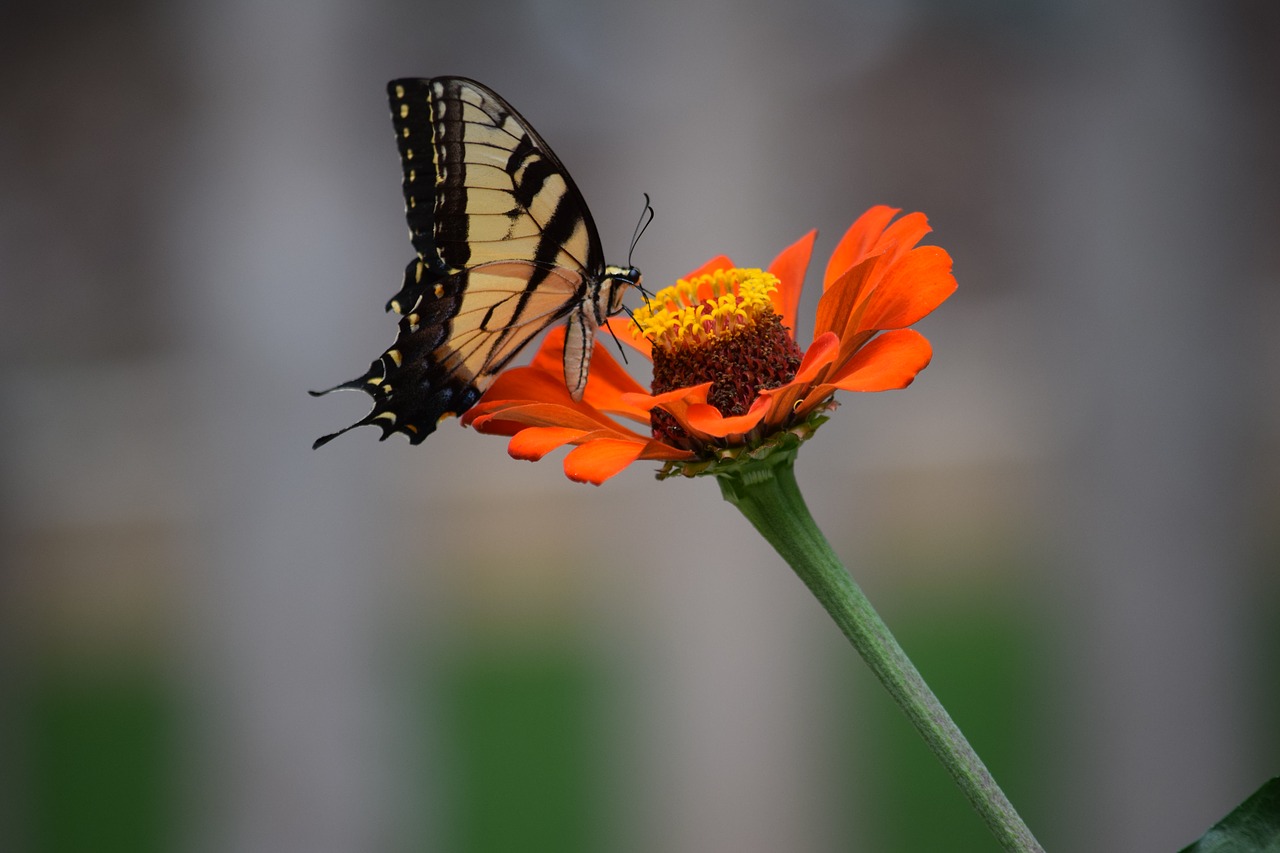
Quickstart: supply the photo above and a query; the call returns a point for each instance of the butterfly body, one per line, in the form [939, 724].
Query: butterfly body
[506, 247]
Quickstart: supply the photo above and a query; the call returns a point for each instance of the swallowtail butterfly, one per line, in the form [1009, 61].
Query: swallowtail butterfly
[505, 247]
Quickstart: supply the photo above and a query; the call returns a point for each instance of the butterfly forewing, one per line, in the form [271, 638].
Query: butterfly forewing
[506, 247]
[476, 175]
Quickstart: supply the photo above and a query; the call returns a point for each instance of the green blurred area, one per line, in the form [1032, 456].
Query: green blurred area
[525, 760]
[523, 769]
[100, 756]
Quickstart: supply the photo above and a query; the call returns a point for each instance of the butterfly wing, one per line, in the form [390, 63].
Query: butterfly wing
[506, 247]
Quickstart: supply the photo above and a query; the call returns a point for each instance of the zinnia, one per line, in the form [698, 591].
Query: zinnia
[730, 382]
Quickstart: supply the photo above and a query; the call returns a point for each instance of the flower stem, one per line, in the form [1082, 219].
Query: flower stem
[767, 494]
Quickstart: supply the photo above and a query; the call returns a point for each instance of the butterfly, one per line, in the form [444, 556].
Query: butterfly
[506, 247]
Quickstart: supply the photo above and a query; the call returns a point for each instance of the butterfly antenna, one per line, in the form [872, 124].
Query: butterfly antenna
[646, 216]
[622, 351]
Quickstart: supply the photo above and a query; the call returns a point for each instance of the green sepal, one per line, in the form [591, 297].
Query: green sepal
[1253, 827]
[783, 444]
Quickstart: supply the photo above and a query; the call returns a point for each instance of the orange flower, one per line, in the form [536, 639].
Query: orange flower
[729, 378]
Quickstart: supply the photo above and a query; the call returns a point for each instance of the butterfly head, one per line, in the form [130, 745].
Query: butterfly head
[613, 287]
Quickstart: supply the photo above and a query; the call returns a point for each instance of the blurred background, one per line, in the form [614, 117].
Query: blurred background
[213, 638]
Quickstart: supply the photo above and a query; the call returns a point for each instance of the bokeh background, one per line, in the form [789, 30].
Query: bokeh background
[213, 638]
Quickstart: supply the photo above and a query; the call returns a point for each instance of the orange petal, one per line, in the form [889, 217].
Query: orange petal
[719, 262]
[678, 402]
[536, 414]
[527, 383]
[489, 424]
[549, 359]
[790, 267]
[901, 236]
[820, 353]
[858, 242]
[608, 386]
[889, 362]
[599, 460]
[911, 288]
[658, 450]
[707, 418]
[840, 303]
[533, 443]
[608, 375]
[504, 417]
[781, 402]
[624, 330]
[550, 354]
[622, 407]
[814, 397]
[541, 384]
[689, 395]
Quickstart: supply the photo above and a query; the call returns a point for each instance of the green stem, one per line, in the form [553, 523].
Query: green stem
[767, 494]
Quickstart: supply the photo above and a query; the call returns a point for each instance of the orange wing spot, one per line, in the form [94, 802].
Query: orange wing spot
[411, 428]
[439, 289]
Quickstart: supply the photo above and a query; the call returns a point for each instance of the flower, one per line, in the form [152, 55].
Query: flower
[730, 382]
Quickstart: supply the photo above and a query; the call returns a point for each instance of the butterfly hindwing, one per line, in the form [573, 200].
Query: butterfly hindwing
[506, 246]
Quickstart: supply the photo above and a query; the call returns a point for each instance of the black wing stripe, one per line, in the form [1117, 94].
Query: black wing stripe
[531, 180]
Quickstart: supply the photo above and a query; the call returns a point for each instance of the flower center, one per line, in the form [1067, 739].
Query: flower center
[719, 328]
[694, 311]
